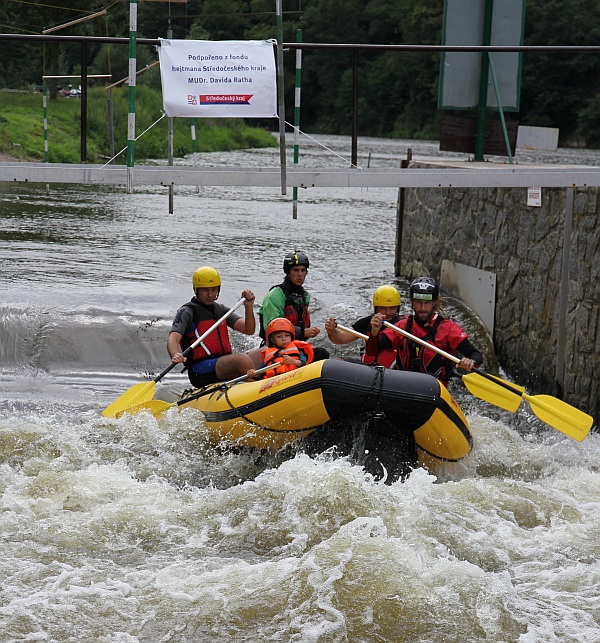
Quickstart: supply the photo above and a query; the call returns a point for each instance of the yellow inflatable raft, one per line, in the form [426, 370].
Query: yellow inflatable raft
[280, 410]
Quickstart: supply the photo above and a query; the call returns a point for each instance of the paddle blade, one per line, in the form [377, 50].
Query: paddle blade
[562, 416]
[495, 393]
[137, 394]
[156, 407]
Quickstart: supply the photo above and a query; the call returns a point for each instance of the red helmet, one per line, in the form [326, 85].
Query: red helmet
[280, 324]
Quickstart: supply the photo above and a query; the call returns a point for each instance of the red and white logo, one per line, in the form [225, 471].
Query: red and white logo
[225, 99]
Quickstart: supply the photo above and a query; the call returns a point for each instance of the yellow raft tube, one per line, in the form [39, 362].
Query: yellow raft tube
[277, 411]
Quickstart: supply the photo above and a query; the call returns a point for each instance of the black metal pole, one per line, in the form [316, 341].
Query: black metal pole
[355, 107]
[483, 82]
[404, 163]
[83, 106]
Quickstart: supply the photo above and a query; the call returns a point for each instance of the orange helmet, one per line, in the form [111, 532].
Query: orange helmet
[280, 324]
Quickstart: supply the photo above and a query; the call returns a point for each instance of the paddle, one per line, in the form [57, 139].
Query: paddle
[352, 331]
[558, 414]
[144, 391]
[157, 407]
[492, 389]
[503, 398]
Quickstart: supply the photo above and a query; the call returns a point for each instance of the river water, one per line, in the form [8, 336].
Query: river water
[138, 529]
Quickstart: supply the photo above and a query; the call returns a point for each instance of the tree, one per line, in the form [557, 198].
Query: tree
[558, 90]
[397, 91]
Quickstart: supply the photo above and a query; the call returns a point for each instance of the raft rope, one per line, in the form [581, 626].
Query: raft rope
[194, 393]
[378, 377]
[234, 408]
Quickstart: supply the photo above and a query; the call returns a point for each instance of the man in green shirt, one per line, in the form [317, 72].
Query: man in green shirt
[289, 299]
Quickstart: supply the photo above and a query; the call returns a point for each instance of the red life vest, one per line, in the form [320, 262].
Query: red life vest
[296, 304]
[274, 355]
[387, 357]
[444, 333]
[291, 312]
[217, 343]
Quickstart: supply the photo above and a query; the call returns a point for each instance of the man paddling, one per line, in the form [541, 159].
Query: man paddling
[386, 302]
[212, 360]
[428, 324]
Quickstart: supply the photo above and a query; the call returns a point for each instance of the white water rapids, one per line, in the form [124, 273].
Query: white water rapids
[138, 529]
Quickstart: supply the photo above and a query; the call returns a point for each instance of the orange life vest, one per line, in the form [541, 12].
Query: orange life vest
[274, 355]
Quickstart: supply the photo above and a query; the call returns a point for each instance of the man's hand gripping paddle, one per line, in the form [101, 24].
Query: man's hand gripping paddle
[144, 391]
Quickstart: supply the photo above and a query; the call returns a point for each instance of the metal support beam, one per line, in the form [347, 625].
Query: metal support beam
[84, 102]
[404, 163]
[564, 295]
[464, 175]
[483, 82]
[354, 154]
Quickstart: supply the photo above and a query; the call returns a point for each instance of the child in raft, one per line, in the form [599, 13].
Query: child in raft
[282, 349]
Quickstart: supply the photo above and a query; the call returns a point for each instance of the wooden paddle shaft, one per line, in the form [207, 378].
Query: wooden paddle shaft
[259, 371]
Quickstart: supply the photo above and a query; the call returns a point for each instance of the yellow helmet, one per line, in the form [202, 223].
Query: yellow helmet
[206, 277]
[386, 296]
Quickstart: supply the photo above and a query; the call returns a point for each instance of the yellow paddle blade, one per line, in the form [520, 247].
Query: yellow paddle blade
[494, 390]
[156, 407]
[506, 384]
[137, 394]
[562, 416]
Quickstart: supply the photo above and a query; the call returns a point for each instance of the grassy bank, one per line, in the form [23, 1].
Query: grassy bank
[22, 128]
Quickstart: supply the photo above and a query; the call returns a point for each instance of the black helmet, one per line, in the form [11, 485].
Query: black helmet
[424, 289]
[292, 259]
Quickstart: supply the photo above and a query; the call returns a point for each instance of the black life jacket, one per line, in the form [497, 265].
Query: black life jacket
[295, 307]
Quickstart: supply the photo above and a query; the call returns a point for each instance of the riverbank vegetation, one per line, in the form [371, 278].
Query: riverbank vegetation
[22, 128]
[397, 91]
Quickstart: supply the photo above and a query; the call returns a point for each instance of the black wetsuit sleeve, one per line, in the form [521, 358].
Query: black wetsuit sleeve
[468, 350]
[363, 325]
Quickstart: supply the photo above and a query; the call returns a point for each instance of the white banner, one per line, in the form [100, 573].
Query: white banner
[217, 79]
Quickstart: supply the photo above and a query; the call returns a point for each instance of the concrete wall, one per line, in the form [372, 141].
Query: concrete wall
[493, 229]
